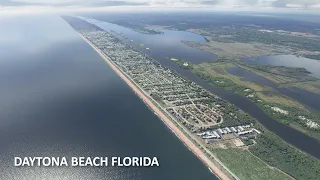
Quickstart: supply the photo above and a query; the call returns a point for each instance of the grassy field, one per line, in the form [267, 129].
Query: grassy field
[233, 49]
[277, 98]
[247, 166]
[275, 78]
[312, 86]
[219, 70]
[263, 96]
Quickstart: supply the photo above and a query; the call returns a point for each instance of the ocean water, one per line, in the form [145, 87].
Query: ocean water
[59, 98]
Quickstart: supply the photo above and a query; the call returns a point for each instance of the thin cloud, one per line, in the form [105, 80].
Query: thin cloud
[205, 4]
[301, 3]
[72, 2]
[231, 3]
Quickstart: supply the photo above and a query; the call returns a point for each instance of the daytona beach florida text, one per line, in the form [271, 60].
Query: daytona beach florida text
[86, 161]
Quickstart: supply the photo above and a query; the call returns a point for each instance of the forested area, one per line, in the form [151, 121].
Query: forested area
[271, 149]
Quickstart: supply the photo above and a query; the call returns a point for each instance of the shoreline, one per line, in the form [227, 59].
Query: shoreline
[186, 141]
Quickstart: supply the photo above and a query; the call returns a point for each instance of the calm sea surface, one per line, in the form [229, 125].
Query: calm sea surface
[59, 98]
[180, 50]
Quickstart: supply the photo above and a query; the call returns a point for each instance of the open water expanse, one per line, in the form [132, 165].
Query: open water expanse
[157, 51]
[59, 98]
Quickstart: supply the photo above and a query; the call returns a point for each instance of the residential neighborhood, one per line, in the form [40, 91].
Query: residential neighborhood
[201, 112]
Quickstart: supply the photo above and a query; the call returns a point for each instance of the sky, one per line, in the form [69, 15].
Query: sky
[20, 6]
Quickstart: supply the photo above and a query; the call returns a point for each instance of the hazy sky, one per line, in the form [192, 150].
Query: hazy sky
[312, 5]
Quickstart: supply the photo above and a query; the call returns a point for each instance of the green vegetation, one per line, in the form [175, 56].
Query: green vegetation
[223, 81]
[312, 56]
[157, 98]
[248, 142]
[290, 74]
[144, 30]
[264, 96]
[182, 63]
[235, 50]
[229, 85]
[271, 149]
[244, 34]
[294, 116]
[275, 97]
[247, 166]
[217, 74]
[234, 117]
[312, 86]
